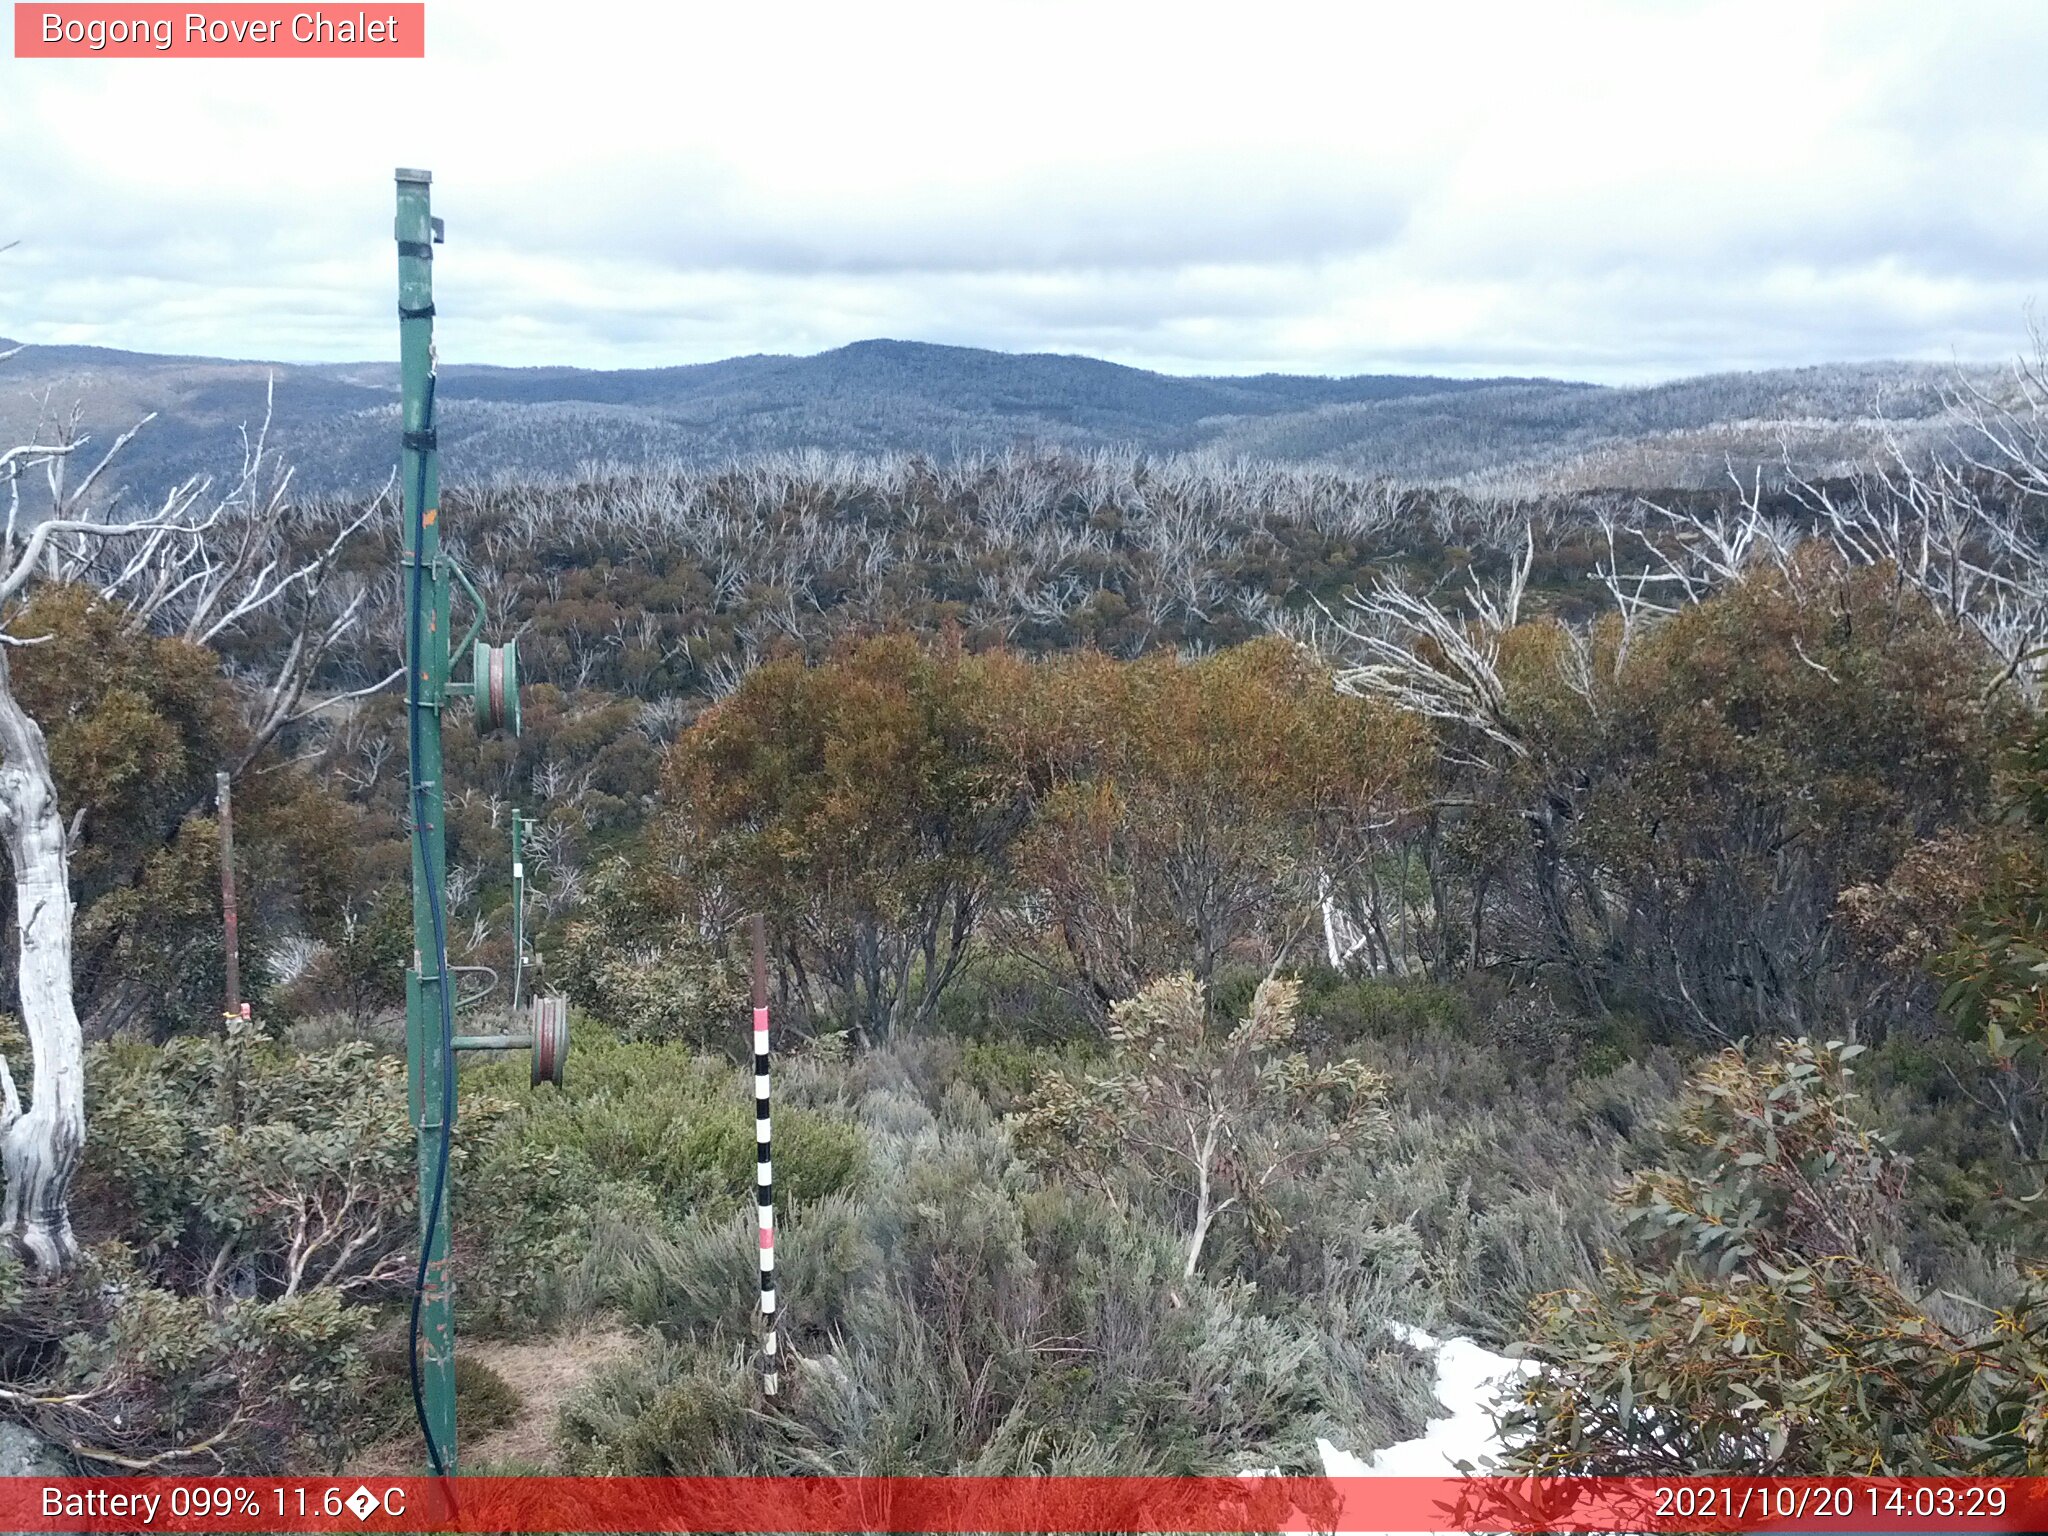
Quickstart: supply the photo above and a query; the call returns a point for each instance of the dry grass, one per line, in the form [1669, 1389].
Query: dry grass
[545, 1374]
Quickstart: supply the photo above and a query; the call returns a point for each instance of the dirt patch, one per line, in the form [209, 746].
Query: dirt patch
[545, 1374]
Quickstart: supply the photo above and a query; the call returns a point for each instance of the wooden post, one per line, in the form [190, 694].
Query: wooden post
[224, 797]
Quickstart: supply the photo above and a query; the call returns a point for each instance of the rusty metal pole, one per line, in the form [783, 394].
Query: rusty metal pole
[224, 797]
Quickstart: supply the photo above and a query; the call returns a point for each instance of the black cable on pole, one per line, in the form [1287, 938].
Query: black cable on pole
[413, 706]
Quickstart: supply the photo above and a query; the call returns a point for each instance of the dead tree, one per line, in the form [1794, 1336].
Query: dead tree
[1429, 660]
[1954, 529]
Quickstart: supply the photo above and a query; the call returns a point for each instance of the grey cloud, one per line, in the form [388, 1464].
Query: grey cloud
[1909, 228]
[1144, 216]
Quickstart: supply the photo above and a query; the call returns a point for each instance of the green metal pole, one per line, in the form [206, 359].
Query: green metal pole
[419, 473]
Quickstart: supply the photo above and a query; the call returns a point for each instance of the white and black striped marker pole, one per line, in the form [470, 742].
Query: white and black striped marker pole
[764, 1168]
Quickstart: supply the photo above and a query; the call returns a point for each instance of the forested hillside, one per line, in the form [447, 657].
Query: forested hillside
[944, 403]
[1602, 922]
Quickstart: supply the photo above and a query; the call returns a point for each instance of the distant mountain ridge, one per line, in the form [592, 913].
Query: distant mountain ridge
[337, 422]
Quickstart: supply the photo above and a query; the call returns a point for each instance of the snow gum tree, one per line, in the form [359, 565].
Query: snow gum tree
[1216, 1117]
[41, 1142]
[1759, 1321]
[1192, 810]
[868, 805]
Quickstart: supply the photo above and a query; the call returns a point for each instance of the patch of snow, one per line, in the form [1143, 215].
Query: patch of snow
[1470, 1382]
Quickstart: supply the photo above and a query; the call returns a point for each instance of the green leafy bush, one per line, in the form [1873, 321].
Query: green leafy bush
[484, 1400]
[122, 1373]
[1217, 1119]
[240, 1166]
[1756, 1322]
[632, 959]
[672, 1415]
[659, 1116]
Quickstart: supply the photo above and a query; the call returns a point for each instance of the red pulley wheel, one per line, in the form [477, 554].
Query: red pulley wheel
[496, 689]
[550, 1039]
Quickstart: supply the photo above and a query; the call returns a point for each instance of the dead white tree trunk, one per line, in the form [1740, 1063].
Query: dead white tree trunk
[39, 1147]
[1207, 1207]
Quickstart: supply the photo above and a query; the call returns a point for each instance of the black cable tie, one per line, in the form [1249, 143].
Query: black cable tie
[418, 248]
[421, 442]
[424, 312]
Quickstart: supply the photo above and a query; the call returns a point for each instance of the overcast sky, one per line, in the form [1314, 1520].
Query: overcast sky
[1618, 192]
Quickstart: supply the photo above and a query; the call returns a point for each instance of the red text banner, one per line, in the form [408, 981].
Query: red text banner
[1050, 1504]
[232, 31]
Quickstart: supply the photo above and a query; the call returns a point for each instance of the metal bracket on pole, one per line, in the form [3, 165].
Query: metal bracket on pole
[476, 624]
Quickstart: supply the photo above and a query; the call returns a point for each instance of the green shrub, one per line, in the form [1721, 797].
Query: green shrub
[632, 959]
[234, 1163]
[484, 1400]
[524, 1217]
[1338, 1010]
[965, 1315]
[118, 1371]
[659, 1116]
[1203, 1115]
[711, 1161]
[667, 1414]
[1756, 1323]
[240, 1195]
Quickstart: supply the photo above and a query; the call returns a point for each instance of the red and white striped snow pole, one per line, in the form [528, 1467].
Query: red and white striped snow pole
[764, 1168]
